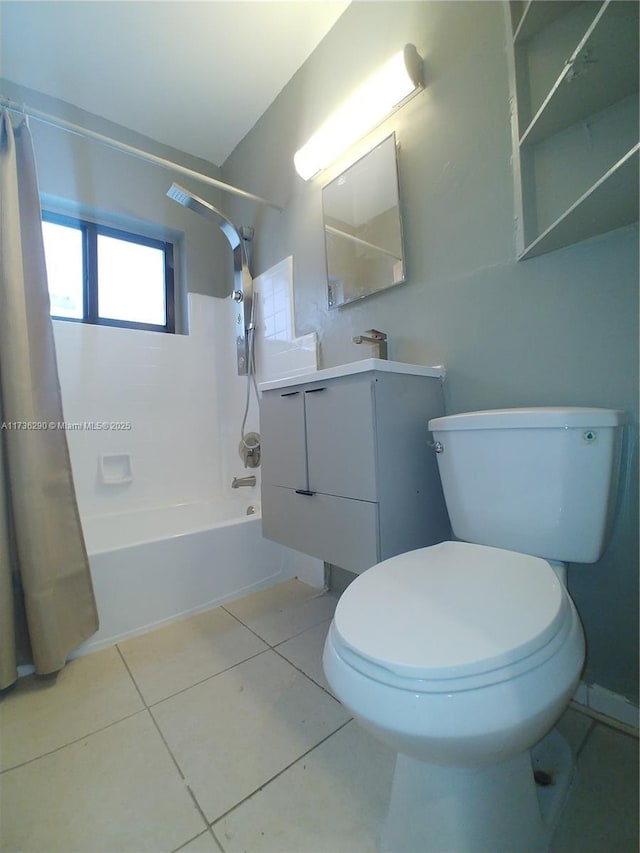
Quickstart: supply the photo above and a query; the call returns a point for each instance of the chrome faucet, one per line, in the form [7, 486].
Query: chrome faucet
[378, 339]
[243, 481]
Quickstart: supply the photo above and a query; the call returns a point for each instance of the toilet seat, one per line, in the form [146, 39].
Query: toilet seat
[451, 616]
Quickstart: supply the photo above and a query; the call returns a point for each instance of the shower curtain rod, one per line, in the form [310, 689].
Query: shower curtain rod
[129, 149]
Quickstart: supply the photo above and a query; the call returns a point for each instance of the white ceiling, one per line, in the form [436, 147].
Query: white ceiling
[193, 75]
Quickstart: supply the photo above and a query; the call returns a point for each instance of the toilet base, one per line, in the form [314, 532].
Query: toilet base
[434, 809]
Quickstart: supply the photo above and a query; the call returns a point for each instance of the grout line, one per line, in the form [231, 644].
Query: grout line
[304, 631]
[208, 678]
[299, 633]
[286, 639]
[306, 674]
[585, 739]
[75, 740]
[244, 625]
[202, 814]
[168, 748]
[207, 831]
[216, 839]
[280, 772]
[135, 683]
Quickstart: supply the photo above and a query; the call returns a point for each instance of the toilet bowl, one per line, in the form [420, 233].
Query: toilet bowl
[460, 657]
[459, 654]
[463, 655]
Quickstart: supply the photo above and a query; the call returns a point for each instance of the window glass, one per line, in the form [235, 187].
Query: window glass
[131, 281]
[63, 253]
[103, 275]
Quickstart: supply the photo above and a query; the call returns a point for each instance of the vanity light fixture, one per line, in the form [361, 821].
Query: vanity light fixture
[391, 87]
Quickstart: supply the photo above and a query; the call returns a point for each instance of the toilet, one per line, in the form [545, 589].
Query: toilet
[462, 656]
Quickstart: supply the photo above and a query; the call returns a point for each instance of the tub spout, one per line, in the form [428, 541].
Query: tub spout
[243, 481]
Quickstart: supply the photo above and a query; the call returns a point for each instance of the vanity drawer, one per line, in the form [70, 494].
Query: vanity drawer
[337, 530]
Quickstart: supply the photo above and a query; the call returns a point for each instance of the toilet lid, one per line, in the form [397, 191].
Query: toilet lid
[451, 610]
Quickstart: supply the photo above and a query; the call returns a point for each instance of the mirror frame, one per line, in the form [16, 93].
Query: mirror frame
[398, 275]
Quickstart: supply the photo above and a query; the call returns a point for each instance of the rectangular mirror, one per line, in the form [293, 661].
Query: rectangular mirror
[363, 230]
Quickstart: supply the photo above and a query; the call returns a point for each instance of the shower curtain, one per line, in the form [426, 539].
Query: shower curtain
[47, 606]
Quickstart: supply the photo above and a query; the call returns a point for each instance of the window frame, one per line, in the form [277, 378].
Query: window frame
[90, 232]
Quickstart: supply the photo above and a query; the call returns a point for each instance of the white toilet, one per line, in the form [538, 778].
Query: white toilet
[462, 656]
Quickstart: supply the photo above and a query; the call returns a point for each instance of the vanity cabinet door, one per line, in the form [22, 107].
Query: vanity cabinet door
[284, 452]
[341, 439]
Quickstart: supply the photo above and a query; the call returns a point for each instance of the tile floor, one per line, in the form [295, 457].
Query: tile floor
[219, 733]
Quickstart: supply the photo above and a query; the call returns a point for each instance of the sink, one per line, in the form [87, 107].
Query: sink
[365, 365]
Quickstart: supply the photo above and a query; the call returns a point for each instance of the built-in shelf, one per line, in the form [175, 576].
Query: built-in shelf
[584, 118]
[610, 203]
[536, 16]
[602, 70]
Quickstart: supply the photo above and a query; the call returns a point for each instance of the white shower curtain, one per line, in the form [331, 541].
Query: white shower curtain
[47, 606]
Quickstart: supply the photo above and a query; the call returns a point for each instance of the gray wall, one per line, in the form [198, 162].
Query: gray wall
[559, 329]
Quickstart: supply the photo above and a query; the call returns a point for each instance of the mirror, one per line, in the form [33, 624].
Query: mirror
[363, 232]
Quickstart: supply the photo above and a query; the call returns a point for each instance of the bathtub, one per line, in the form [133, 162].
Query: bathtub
[153, 566]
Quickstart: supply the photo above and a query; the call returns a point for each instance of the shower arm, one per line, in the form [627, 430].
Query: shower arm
[242, 280]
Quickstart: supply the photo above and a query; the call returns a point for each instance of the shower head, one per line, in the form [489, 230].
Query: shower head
[199, 205]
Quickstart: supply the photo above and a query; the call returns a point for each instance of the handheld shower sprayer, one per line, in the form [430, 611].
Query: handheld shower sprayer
[243, 295]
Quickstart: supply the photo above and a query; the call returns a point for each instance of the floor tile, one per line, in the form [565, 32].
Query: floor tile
[602, 811]
[235, 731]
[334, 799]
[575, 727]
[284, 610]
[117, 790]
[305, 651]
[183, 653]
[40, 715]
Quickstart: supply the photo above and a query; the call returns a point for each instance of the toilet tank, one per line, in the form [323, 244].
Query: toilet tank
[541, 481]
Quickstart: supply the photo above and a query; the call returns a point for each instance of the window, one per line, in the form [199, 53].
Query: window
[106, 276]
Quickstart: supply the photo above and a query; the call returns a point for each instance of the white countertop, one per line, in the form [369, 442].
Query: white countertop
[365, 365]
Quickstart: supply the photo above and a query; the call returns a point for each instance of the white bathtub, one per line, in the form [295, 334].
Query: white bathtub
[153, 566]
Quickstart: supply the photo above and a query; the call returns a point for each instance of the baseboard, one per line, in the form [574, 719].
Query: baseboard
[610, 707]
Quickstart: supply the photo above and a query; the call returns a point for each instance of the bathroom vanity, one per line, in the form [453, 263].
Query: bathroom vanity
[347, 473]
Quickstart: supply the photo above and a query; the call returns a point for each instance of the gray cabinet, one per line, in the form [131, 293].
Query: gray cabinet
[347, 474]
[574, 96]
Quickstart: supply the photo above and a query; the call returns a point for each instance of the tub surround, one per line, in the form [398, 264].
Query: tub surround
[163, 389]
[279, 350]
[167, 522]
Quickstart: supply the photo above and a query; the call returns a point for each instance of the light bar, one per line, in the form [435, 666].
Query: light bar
[388, 89]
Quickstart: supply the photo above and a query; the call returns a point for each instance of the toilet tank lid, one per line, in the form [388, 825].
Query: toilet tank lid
[540, 417]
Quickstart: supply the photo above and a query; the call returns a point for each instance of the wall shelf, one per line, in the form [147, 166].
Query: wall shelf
[610, 203]
[602, 70]
[573, 73]
[536, 16]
